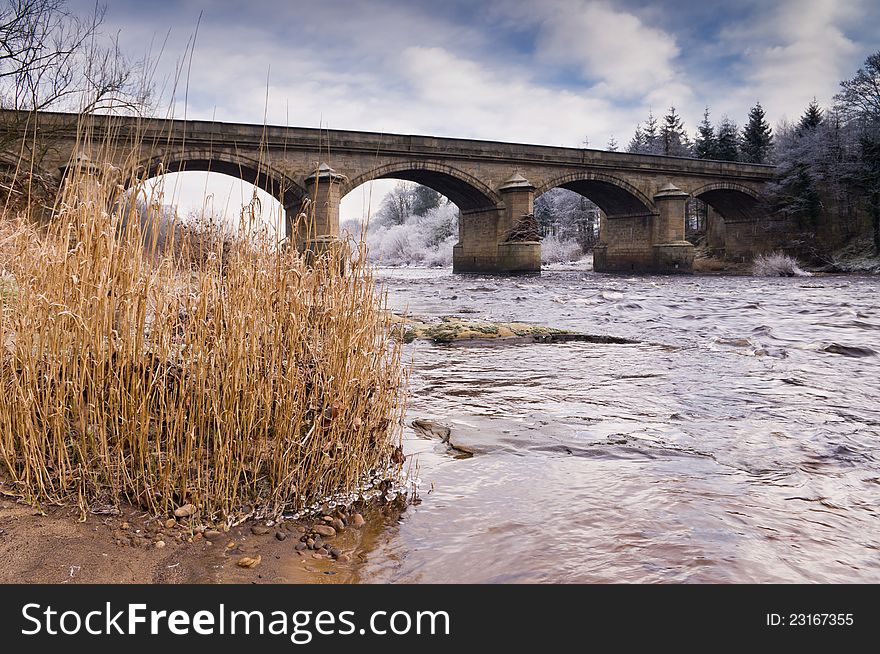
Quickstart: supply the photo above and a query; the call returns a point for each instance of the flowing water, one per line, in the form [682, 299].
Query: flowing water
[737, 441]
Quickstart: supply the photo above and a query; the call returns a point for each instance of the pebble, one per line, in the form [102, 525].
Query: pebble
[357, 521]
[322, 551]
[338, 525]
[170, 523]
[259, 530]
[300, 547]
[280, 535]
[343, 558]
[160, 544]
[211, 534]
[335, 552]
[185, 511]
[125, 525]
[324, 530]
[310, 544]
[249, 561]
[317, 556]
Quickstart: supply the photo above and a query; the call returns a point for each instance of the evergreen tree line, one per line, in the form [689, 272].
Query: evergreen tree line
[828, 162]
[724, 142]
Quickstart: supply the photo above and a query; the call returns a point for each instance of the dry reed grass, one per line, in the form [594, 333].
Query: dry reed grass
[238, 378]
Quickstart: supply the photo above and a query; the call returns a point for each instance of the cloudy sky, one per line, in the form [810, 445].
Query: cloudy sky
[538, 71]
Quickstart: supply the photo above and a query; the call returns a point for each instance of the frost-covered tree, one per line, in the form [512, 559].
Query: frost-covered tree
[612, 144]
[814, 172]
[704, 144]
[757, 137]
[859, 105]
[812, 118]
[413, 225]
[652, 134]
[647, 139]
[673, 138]
[567, 216]
[637, 144]
[726, 140]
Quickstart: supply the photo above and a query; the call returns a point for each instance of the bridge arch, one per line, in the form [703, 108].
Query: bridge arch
[466, 191]
[735, 202]
[285, 190]
[611, 194]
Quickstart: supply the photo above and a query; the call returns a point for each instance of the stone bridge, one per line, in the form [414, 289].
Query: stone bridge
[642, 197]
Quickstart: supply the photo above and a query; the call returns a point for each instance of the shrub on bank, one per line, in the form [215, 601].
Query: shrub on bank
[777, 264]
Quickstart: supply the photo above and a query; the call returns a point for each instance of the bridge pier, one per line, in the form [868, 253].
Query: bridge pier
[320, 228]
[671, 252]
[647, 242]
[497, 239]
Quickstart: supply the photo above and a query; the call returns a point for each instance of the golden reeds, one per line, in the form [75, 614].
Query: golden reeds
[240, 380]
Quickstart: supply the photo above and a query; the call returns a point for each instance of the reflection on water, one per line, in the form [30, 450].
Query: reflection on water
[736, 442]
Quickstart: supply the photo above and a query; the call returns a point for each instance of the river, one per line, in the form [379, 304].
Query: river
[736, 441]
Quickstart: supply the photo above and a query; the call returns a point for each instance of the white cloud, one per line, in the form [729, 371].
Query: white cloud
[627, 57]
[794, 51]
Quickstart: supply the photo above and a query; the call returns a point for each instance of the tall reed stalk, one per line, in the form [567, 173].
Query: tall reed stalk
[244, 380]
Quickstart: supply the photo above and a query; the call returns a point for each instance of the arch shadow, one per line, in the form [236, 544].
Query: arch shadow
[735, 202]
[282, 188]
[466, 191]
[614, 196]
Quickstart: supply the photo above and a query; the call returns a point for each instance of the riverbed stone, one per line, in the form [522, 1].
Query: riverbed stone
[325, 531]
[185, 511]
[259, 530]
[357, 521]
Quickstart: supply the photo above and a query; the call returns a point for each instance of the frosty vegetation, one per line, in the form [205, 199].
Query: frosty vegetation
[777, 264]
[414, 225]
[417, 226]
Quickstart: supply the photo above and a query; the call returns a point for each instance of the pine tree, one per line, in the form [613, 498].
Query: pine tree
[673, 136]
[652, 135]
[705, 144]
[726, 141]
[812, 118]
[756, 137]
[637, 143]
[612, 144]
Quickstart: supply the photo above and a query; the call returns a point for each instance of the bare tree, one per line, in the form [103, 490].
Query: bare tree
[53, 59]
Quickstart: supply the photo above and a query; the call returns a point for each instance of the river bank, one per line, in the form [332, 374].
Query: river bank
[54, 546]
